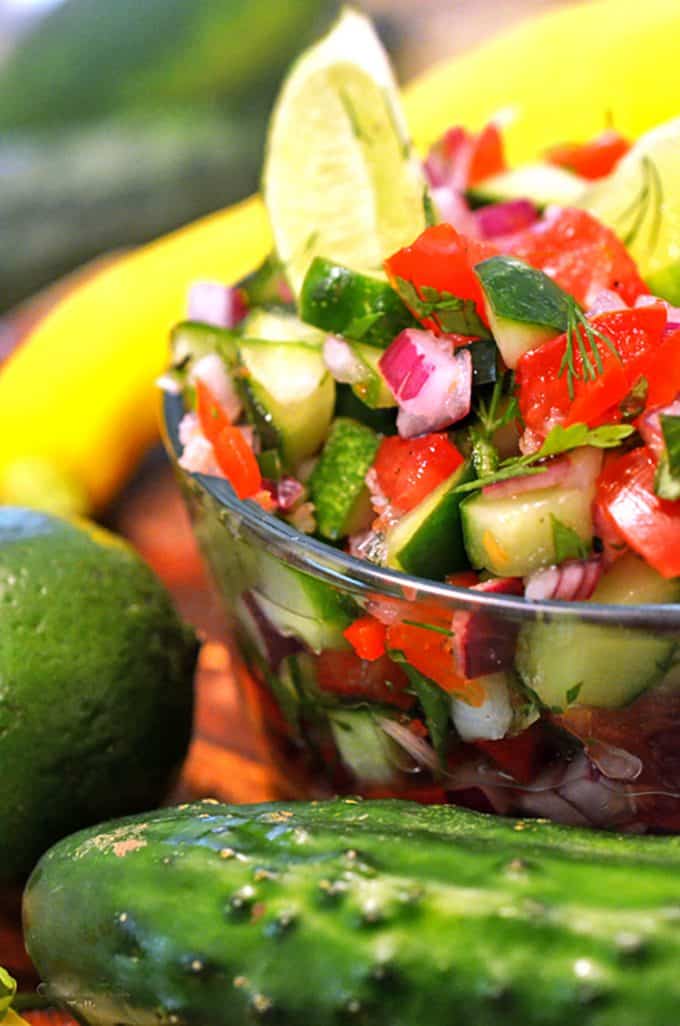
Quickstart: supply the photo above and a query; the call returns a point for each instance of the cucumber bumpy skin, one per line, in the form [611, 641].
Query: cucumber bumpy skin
[381, 913]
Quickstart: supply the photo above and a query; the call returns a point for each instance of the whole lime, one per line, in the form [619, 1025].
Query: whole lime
[96, 683]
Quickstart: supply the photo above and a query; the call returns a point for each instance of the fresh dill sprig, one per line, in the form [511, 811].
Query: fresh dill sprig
[591, 367]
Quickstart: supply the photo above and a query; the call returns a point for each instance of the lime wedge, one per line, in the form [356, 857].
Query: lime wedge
[640, 200]
[340, 180]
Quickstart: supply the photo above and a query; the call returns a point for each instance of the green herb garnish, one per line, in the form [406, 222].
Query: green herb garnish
[8, 989]
[592, 367]
[566, 542]
[451, 313]
[667, 480]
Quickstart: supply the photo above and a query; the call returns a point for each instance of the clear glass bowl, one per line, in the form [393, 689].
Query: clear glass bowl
[337, 724]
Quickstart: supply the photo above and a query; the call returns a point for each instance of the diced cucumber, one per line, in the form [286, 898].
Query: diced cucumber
[278, 325]
[191, 340]
[513, 535]
[303, 607]
[269, 461]
[484, 356]
[266, 285]
[364, 747]
[354, 305]
[372, 388]
[543, 184]
[289, 396]
[337, 486]
[348, 404]
[428, 541]
[524, 306]
[566, 663]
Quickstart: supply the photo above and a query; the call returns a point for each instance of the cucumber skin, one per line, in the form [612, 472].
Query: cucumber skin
[337, 482]
[334, 298]
[381, 913]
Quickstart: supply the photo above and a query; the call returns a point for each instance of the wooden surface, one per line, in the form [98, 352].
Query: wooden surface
[227, 758]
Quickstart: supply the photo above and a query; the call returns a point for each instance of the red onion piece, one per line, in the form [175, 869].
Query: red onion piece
[289, 491]
[452, 208]
[341, 361]
[211, 302]
[505, 218]
[420, 751]
[605, 301]
[482, 643]
[197, 454]
[614, 763]
[212, 372]
[276, 646]
[432, 385]
[574, 581]
[650, 426]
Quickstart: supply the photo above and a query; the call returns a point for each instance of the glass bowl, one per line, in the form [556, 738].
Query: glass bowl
[601, 747]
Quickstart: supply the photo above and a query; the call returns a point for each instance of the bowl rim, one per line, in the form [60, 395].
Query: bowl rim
[338, 568]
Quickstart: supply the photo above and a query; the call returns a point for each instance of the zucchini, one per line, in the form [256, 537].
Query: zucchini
[337, 486]
[543, 184]
[288, 394]
[353, 305]
[524, 306]
[428, 541]
[566, 663]
[381, 912]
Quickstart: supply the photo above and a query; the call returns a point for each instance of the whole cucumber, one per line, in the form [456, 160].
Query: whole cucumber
[381, 913]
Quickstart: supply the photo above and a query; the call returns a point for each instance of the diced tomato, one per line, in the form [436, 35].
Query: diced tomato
[661, 370]
[344, 673]
[428, 648]
[408, 469]
[520, 756]
[543, 387]
[593, 159]
[211, 416]
[579, 253]
[237, 462]
[442, 259]
[367, 638]
[649, 525]
[487, 157]
[463, 158]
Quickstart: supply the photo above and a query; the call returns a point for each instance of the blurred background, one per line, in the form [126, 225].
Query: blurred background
[123, 119]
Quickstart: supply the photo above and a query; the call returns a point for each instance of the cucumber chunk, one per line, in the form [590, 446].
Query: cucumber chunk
[524, 306]
[567, 663]
[513, 535]
[289, 396]
[337, 485]
[543, 184]
[279, 325]
[428, 541]
[348, 404]
[351, 304]
[364, 747]
[266, 285]
[372, 388]
[192, 340]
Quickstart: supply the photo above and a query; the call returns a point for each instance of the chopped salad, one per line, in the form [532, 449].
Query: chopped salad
[498, 407]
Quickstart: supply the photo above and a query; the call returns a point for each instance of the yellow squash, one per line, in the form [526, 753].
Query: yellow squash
[77, 401]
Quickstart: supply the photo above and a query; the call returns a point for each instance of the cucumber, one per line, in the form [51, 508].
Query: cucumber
[337, 486]
[267, 286]
[278, 325]
[348, 404]
[513, 535]
[372, 388]
[191, 340]
[484, 355]
[380, 912]
[543, 184]
[289, 396]
[428, 541]
[524, 306]
[301, 606]
[366, 750]
[567, 663]
[353, 305]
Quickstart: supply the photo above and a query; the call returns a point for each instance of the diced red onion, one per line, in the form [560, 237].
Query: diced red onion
[650, 426]
[605, 301]
[211, 302]
[420, 751]
[614, 763]
[289, 491]
[211, 371]
[341, 361]
[452, 208]
[482, 643]
[275, 646]
[573, 581]
[505, 218]
[432, 385]
[198, 458]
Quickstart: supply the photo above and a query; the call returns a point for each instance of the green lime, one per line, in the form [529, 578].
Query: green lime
[340, 180]
[640, 200]
[96, 691]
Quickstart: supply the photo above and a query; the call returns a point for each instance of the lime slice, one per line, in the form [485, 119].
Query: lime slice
[340, 180]
[640, 200]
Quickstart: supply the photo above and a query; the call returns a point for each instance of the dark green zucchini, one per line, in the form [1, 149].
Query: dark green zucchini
[381, 914]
